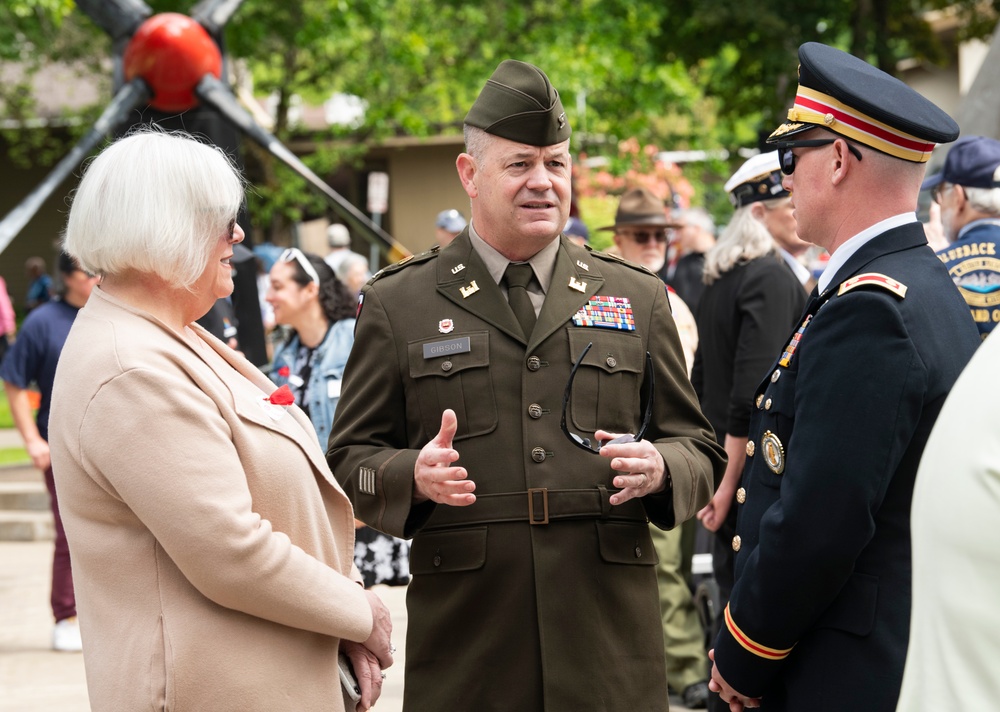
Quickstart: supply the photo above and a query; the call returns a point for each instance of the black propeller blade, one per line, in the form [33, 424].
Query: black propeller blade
[214, 93]
[119, 18]
[130, 97]
[214, 14]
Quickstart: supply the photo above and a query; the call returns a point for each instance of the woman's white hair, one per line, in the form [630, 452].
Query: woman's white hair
[745, 238]
[153, 202]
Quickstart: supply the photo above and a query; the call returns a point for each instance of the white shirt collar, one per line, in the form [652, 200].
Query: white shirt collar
[843, 253]
[800, 271]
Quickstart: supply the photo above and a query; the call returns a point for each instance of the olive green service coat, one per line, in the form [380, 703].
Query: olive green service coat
[504, 614]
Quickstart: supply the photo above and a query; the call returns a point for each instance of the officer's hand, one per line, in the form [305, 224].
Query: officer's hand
[433, 476]
[737, 702]
[641, 465]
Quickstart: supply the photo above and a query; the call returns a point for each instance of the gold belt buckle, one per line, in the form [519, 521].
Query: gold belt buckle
[543, 505]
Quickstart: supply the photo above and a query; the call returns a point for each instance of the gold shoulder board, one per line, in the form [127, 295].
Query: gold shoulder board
[874, 279]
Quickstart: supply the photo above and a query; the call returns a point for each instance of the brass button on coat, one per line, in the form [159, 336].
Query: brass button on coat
[612, 362]
[759, 399]
[535, 411]
[437, 559]
[741, 495]
[534, 363]
[538, 454]
[737, 543]
[638, 552]
[446, 366]
[775, 376]
[750, 448]
[767, 404]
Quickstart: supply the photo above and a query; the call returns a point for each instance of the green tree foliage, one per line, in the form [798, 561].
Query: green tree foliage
[681, 74]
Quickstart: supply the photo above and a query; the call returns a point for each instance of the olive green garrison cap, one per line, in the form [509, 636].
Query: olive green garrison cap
[520, 104]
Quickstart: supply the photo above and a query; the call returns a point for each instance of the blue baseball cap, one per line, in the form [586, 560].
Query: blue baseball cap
[972, 162]
[450, 220]
[576, 227]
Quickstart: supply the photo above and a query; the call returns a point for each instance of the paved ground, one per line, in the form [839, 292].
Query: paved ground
[33, 678]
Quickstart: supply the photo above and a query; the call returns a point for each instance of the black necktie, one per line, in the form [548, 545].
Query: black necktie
[517, 277]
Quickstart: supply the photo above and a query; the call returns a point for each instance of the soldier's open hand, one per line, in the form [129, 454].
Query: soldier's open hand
[641, 466]
[433, 476]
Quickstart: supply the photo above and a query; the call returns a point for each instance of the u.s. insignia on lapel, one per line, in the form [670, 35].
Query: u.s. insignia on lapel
[606, 312]
[576, 284]
[470, 289]
[457, 268]
[583, 265]
[446, 326]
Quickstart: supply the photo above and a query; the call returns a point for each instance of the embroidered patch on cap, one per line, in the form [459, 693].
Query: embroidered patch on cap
[607, 312]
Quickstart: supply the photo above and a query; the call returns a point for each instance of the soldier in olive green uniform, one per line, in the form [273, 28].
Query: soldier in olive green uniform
[533, 572]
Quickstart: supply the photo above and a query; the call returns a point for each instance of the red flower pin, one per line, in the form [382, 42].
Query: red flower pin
[282, 396]
[284, 372]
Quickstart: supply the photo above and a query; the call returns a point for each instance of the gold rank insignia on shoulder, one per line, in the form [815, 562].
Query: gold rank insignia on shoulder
[874, 279]
[773, 451]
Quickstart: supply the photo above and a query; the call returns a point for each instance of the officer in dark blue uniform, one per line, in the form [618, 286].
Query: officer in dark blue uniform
[819, 615]
[968, 190]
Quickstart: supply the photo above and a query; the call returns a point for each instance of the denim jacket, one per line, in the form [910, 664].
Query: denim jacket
[326, 376]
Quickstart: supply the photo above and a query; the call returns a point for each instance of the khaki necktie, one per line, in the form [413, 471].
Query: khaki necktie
[517, 277]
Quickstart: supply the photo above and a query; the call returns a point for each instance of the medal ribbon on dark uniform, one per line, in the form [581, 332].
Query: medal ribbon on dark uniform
[786, 357]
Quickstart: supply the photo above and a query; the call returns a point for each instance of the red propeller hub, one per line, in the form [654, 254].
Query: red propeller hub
[172, 52]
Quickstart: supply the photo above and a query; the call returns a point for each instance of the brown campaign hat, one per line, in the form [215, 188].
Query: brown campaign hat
[519, 103]
[639, 206]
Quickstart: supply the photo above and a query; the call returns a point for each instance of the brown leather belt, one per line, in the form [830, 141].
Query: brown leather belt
[538, 506]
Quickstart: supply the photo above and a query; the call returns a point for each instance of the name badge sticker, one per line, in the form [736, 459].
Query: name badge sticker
[436, 349]
[333, 388]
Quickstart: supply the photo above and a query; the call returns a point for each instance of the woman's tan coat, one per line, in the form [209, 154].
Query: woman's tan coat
[212, 548]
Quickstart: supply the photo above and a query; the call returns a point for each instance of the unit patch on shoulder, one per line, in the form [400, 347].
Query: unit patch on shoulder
[874, 279]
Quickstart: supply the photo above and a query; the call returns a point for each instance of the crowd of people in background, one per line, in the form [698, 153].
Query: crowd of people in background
[428, 406]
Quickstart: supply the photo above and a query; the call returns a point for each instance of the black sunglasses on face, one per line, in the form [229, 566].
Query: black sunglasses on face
[584, 443]
[643, 236]
[787, 159]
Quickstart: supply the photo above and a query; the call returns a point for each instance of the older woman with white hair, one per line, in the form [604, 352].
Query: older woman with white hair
[211, 545]
[750, 304]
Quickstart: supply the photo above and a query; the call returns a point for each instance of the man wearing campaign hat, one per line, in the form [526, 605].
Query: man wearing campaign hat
[463, 424]
[968, 191]
[819, 614]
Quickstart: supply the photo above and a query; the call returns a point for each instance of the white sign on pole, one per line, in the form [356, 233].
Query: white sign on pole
[378, 192]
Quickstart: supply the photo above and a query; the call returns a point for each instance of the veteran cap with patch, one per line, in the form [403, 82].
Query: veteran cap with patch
[759, 178]
[973, 162]
[846, 95]
[520, 104]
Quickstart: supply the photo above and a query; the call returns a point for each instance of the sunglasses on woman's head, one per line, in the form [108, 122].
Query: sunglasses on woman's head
[294, 254]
